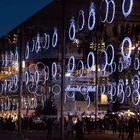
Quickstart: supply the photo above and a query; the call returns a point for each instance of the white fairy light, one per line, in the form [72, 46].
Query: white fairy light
[106, 12]
[27, 51]
[113, 13]
[91, 67]
[37, 43]
[55, 37]
[81, 15]
[103, 67]
[46, 41]
[71, 62]
[126, 56]
[91, 16]
[126, 13]
[72, 29]
[112, 50]
[135, 97]
[136, 64]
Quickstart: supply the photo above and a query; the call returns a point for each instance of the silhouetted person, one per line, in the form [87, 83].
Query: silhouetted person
[130, 129]
[79, 130]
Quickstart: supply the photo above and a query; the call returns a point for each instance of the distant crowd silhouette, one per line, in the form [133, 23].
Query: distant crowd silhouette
[124, 128]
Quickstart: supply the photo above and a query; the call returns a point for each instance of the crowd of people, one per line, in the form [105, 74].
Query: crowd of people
[124, 128]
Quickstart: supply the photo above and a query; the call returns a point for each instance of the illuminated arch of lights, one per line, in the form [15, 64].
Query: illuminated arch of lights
[55, 37]
[72, 29]
[26, 77]
[36, 77]
[15, 80]
[91, 67]
[126, 40]
[37, 43]
[112, 50]
[120, 91]
[46, 41]
[54, 69]
[81, 15]
[106, 11]
[27, 51]
[136, 63]
[47, 73]
[126, 13]
[91, 16]
[111, 2]
[136, 83]
[59, 89]
[71, 62]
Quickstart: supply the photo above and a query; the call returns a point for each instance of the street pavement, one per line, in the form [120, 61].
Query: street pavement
[41, 135]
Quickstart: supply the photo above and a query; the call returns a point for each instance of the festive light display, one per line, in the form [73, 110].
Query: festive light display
[81, 16]
[27, 51]
[90, 66]
[126, 40]
[91, 17]
[72, 29]
[47, 40]
[126, 13]
[71, 62]
[55, 38]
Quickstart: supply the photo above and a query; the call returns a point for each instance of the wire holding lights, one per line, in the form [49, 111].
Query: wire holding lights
[72, 29]
[81, 16]
[55, 37]
[91, 17]
[126, 13]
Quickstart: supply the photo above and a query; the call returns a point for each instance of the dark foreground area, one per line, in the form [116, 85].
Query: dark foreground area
[41, 135]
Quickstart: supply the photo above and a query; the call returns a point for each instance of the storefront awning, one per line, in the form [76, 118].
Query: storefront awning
[15, 12]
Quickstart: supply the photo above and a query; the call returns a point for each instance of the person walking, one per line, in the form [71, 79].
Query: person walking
[130, 129]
